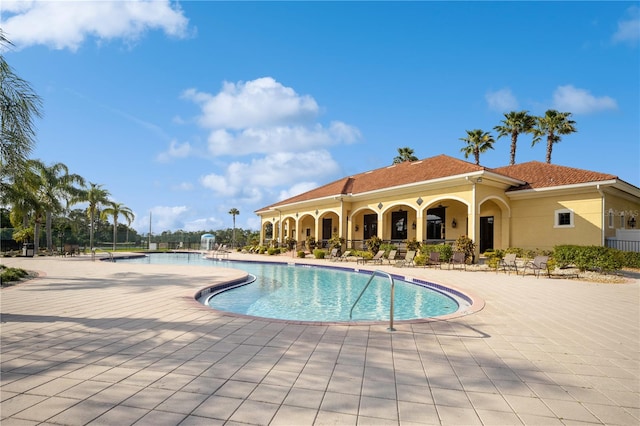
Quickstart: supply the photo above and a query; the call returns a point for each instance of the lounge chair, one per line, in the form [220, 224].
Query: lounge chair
[433, 260]
[392, 256]
[408, 259]
[344, 256]
[333, 254]
[508, 263]
[458, 258]
[375, 259]
[538, 264]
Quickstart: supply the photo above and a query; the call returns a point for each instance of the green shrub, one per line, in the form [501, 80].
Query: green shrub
[467, 246]
[373, 244]
[595, 258]
[319, 253]
[413, 244]
[336, 241]
[301, 254]
[387, 247]
[310, 243]
[273, 250]
[12, 274]
[365, 254]
[420, 259]
[631, 259]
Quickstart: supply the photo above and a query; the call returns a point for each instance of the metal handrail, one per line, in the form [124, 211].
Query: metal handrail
[93, 254]
[391, 297]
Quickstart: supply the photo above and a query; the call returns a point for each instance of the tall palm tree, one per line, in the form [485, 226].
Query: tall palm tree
[115, 210]
[56, 185]
[95, 195]
[19, 106]
[478, 141]
[552, 125]
[515, 123]
[234, 212]
[404, 154]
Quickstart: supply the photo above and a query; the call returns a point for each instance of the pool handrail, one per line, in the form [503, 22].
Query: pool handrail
[376, 272]
[93, 254]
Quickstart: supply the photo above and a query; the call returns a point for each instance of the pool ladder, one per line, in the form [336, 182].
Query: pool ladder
[373, 275]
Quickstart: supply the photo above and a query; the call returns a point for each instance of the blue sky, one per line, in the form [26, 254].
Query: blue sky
[188, 109]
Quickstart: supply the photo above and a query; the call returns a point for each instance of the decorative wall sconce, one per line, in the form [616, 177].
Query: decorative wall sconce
[454, 223]
[357, 228]
[632, 222]
[413, 226]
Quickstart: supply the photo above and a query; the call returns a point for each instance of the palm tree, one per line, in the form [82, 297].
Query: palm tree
[95, 195]
[552, 125]
[404, 154]
[19, 105]
[515, 123]
[478, 141]
[55, 186]
[115, 210]
[234, 212]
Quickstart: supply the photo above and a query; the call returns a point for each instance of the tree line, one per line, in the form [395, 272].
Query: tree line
[551, 126]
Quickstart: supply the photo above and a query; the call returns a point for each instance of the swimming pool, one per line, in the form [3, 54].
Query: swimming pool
[291, 291]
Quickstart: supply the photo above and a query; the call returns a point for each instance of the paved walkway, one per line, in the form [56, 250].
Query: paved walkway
[120, 344]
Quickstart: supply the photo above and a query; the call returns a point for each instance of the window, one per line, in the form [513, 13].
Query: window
[399, 225]
[622, 222]
[610, 218]
[564, 218]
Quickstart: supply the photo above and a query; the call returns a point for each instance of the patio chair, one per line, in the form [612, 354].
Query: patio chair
[408, 259]
[392, 256]
[458, 258]
[375, 259]
[539, 263]
[508, 263]
[433, 260]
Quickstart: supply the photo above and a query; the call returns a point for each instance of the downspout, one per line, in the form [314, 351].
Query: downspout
[602, 216]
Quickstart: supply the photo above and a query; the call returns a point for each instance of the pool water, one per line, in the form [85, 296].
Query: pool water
[308, 293]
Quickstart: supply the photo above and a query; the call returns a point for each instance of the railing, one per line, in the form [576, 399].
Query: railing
[624, 245]
[373, 275]
[93, 254]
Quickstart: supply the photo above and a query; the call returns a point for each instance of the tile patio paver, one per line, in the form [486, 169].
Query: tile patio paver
[540, 352]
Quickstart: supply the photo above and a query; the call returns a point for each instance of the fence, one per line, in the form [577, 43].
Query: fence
[624, 245]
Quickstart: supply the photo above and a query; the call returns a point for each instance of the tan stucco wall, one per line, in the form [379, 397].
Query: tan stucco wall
[533, 221]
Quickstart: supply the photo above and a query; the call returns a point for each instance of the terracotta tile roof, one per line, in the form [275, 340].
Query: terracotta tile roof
[544, 175]
[535, 173]
[440, 166]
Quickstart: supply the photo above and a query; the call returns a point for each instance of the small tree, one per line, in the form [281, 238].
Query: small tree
[373, 244]
[336, 241]
[467, 246]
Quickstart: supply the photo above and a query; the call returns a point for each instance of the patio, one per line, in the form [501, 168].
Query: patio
[114, 343]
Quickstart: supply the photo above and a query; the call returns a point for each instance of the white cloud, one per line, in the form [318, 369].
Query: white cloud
[257, 103]
[202, 224]
[176, 150]
[629, 28]
[248, 180]
[580, 101]
[264, 116]
[501, 100]
[67, 24]
[297, 189]
[279, 138]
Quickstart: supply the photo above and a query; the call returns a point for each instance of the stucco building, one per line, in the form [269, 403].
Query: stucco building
[531, 205]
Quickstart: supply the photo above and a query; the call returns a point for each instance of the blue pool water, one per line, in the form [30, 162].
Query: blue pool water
[307, 293]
